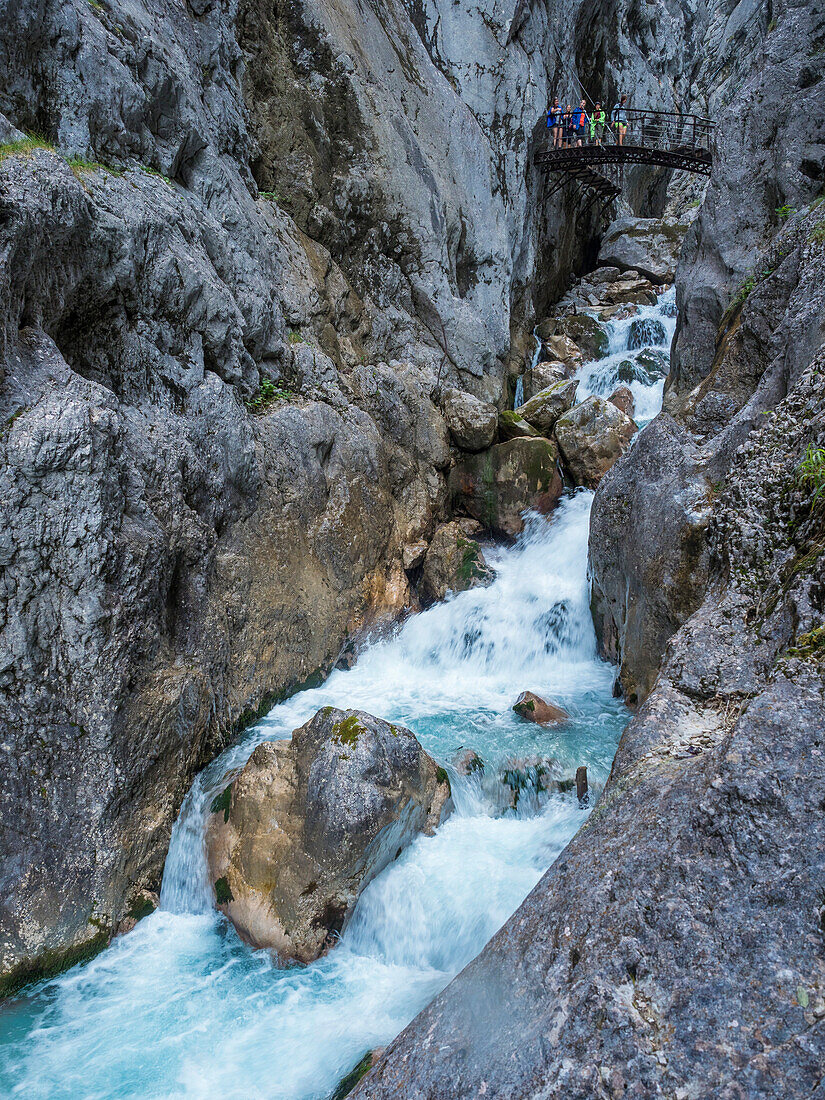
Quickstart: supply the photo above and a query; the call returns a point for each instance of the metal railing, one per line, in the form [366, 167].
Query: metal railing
[652, 137]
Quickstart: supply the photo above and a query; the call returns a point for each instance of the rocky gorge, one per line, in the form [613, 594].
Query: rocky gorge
[270, 276]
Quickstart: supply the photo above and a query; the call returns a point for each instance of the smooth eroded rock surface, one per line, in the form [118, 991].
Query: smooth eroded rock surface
[650, 246]
[472, 423]
[310, 821]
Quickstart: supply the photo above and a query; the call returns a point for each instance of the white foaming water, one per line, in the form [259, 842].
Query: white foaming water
[180, 1007]
[638, 357]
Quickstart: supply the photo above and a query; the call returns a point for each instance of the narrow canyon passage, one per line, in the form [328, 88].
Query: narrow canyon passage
[181, 1007]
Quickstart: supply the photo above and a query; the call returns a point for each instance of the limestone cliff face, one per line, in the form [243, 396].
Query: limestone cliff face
[254, 246]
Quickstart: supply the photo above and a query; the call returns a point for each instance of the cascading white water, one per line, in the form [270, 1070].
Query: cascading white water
[638, 357]
[182, 1008]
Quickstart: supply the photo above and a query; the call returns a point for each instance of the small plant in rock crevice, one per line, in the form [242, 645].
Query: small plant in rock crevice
[265, 395]
[784, 211]
[811, 472]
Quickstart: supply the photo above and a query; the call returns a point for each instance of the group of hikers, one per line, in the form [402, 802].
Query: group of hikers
[578, 126]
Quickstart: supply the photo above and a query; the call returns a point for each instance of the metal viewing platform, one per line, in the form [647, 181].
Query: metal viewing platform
[662, 138]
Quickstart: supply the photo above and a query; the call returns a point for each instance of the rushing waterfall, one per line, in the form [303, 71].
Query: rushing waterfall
[638, 357]
[181, 1007]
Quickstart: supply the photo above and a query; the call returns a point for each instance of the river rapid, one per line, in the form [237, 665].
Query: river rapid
[181, 1008]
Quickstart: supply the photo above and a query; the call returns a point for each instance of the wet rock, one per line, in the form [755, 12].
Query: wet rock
[496, 486]
[533, 708]
[358, 1071]
[544, 374]
[511, 425]
[564, 350]
[656, 361]
[543, 410]
[472, 423]
[645, 331]
[648, 551]
[591, 437]
[586, 332]
[527, 778]
[310, 821]
[632, 289]
[468, 762]
[650, 246]
[618, 313]
[454, 562]
[623, 399]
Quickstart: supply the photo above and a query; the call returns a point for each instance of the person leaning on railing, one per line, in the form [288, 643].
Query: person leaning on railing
[618, 119]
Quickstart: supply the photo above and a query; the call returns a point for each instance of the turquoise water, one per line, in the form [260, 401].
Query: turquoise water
[180, 1007]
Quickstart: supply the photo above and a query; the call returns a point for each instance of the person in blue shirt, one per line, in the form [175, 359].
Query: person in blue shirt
[580, 121]
[554, 122]
[618, 117]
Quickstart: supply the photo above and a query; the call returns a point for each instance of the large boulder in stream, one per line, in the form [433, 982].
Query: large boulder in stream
[586, 332]
[563, 349]
[544, 374]
[543, 410]
[472, 423]
[498, 485]
[511, 425]
[650, 246]
[591, 437]
[454, 562]
[309, 822]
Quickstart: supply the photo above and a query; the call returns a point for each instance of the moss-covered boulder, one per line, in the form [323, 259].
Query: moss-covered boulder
[591, 437]
[454, 562]
[586, 332]
[498, 485]
[310, 821]
[511, 425]
[543, 410]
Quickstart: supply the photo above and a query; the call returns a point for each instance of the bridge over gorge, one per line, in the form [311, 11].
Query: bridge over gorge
[663, 138]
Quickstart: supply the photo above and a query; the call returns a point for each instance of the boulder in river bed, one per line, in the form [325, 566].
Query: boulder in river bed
[591, 437]
[533, 708]
[564, 350]
[650, 246]
[472, 423]
[543, 410]
[586, 332]
[453, 563]
[632, 289]
[511, 425]
[309, 822]
[624, 400]
[467, 762]
[496, 486]
[545, 374]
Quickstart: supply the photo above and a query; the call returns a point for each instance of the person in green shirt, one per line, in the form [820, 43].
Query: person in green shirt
[597, 121]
